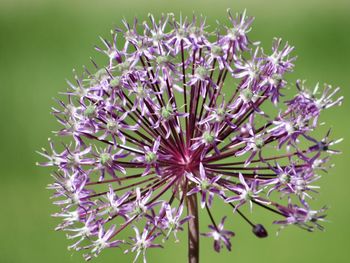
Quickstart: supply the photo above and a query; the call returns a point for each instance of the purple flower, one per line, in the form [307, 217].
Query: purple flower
[89, 229]
[279, 61]
[303, 217]
[218, 114]
[205, 186]
[209, 137]
[141, 242]
[237, 31]
[171, 222]
[117, 205]
[164, 115]
[150, 157]
[106, 161]
[113, 126]
[246, 193]
[221, 237]
[176, 114]
[101, 242]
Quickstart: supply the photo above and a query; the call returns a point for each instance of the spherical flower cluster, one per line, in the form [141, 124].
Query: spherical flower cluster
[156, 127]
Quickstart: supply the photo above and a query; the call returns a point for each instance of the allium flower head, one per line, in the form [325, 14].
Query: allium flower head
[177, 112]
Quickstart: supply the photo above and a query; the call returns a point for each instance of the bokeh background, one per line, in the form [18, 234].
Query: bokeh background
[41, 41]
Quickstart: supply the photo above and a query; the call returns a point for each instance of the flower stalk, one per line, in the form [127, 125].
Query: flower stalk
[193, 229]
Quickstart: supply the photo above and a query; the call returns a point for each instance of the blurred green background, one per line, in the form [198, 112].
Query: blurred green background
[41, 41]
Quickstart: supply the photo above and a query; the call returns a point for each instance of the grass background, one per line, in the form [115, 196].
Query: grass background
[41, 41]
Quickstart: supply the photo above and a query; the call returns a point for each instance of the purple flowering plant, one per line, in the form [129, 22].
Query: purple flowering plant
[157, 127]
